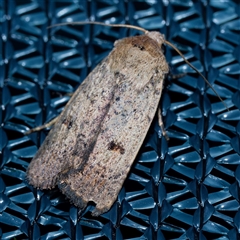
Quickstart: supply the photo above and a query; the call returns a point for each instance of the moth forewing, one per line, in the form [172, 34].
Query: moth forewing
[90, 150]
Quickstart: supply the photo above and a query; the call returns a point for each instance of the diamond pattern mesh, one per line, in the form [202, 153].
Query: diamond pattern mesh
[184, 188]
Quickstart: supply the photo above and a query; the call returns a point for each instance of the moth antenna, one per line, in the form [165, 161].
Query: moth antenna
[178, 51]
[144, 31]
[101, 23]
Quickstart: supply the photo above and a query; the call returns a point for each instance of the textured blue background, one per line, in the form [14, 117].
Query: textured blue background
[186, 188]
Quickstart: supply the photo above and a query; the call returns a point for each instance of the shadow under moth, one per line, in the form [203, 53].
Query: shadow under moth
[91, 147]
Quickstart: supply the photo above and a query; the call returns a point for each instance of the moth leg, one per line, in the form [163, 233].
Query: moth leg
[39, 128]
[160, 122]
[179, 75]
[69, 94]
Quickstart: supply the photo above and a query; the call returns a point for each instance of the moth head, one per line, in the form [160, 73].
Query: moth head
[156, 36]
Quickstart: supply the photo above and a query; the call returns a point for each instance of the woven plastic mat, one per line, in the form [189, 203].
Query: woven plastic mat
[184, 188]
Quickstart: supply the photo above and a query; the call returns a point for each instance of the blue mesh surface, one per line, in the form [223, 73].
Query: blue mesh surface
[186, 188]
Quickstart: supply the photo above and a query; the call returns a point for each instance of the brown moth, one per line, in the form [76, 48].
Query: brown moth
[90, 149]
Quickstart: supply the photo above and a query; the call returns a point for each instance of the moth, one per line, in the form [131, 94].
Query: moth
[90, 149]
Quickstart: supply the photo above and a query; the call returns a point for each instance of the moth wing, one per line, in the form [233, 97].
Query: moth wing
[73, 137]
[122, 131]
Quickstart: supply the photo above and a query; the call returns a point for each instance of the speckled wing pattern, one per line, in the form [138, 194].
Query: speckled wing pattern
[91, 148]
